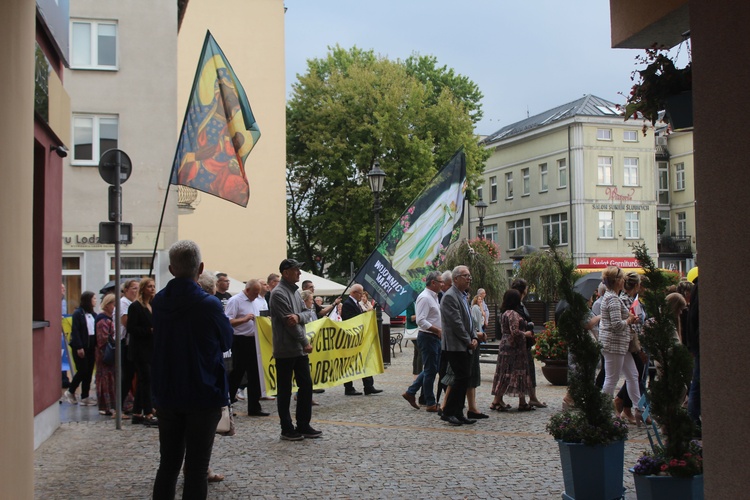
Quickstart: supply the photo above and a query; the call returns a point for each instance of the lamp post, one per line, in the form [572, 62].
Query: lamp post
[481, 207]
[376, 177]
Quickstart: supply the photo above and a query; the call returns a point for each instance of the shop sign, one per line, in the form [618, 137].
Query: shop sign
[614, 261]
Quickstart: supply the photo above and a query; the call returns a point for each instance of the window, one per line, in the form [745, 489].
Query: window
[630, 170]
[663, 189]
[662, 219]
[604, 134]
[131, 266]
[606, 225]
[630, 136]
[519, 233]
[493, 189]
[632, 226]
[92, 136]
[679, 177]
[71, 278]
[562, 173]
[556, 226]
[681, 224]
[526, 181]
[490, 233]
[93, 45]
[480, 192]
[543, 177]
[509, 185]
[604, 170]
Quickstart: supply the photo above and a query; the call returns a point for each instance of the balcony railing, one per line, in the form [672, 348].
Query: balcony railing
[675, 244]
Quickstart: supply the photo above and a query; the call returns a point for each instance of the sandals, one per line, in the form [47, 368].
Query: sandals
[538, 404]
[526, 407]
[499, 407]
[215, 478]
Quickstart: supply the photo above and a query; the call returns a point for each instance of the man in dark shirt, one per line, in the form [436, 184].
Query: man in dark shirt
[351, 309]
[222, 285]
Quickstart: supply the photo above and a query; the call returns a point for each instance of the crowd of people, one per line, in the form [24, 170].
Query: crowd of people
[192, 349]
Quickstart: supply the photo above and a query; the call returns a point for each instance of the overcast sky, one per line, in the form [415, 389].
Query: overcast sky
[525, 55]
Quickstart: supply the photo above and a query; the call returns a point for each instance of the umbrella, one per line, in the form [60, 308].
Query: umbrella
[587, 284]
[110, 287]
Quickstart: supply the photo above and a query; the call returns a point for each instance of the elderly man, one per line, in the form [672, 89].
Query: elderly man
[428, 340]
[242, 310]
[457, 342]
[290, 349]
[320, 310]
[350, 309]
[188, 379]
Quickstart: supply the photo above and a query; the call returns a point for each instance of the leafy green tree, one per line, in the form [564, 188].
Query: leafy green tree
[481, 256]
[542, 273]
[353, 108]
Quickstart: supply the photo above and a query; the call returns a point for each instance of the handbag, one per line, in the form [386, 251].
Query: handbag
[225, 427]
[109, 351]
[635, 343]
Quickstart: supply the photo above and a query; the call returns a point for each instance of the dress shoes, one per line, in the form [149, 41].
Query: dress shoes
[372, 390]
[411, 399]
[476, 416]
[432, 409]
[259, 413]
[452, 420]
[352, 392]
[466, 421]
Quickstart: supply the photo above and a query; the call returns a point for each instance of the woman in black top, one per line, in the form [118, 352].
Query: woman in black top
[141, 332]
[83, 345]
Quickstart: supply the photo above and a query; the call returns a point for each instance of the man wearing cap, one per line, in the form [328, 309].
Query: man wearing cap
[290, 349]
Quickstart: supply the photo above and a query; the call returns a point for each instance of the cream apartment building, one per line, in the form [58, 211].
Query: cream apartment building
[122, 82]
[243, 242]
[577, 172]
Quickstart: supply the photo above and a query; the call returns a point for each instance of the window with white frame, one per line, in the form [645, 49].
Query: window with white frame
[555, 225]
[663, 217]
[662, 190]
[480, 192]
[562, 173]
[519, 233]
[92, 136]
[93, 44]
[490, 232]
[679, 177]
[509, 185]
[630, 136]
[632, 225]
[606, 225]
[131, 266]
[604, 171]
[681, 224]
[630, 171]
[543, 182]
[493, 189]
[526, 181]
[604, 134]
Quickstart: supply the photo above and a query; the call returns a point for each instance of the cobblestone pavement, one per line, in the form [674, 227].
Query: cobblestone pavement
[372, 447]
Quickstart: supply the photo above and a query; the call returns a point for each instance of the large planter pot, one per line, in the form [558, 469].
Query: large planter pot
[668, 487]
[556, 371]
[592, 472]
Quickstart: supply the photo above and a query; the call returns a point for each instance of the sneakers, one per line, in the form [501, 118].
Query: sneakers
[291, 436]
[241, 394]
[309, 433]
[69, 397]
[89, 402]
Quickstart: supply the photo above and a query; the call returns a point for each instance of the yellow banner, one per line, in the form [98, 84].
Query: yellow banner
[342, 351]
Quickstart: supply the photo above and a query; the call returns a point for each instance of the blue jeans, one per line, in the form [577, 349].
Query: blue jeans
[429, 348]
[187, 434]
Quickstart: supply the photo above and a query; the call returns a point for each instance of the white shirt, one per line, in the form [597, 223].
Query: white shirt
[262, 304]
[427, 310]
[239, 306]
[124, 304]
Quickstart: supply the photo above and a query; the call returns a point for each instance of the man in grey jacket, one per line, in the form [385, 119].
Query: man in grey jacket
[290, 349]
[457, 343]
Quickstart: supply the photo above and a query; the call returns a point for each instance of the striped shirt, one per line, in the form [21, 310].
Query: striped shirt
[614, 332]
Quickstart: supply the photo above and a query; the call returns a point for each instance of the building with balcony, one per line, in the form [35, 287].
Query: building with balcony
[577, 173]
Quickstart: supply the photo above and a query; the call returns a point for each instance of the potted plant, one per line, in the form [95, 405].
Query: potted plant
[660, 86]
[551, 348]
[590, 438]
[673, 469]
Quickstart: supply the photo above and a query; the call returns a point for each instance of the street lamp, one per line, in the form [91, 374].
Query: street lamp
[481, 207]
[376, 176]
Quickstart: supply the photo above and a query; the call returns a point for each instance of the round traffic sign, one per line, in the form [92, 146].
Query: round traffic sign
[112, 161]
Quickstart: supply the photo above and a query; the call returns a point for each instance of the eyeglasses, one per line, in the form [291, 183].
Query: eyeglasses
[467, 277]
